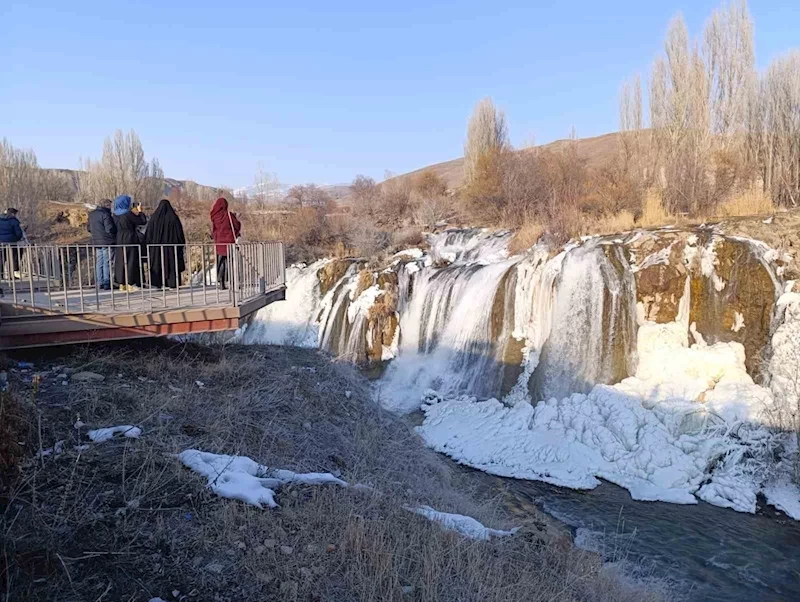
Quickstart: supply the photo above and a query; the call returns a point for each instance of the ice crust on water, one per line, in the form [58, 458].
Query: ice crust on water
[241, 478]
[686, 427]
[465, 525]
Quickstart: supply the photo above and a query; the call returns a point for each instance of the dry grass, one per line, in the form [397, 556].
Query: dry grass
[653, 212]
[525, 237]
[620, 222]
[123, 520]
[750, 202]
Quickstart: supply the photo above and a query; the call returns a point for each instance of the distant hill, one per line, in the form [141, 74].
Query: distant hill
[596, 151]
[170, 184]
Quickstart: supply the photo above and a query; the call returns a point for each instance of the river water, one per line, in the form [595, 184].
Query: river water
[711, 552]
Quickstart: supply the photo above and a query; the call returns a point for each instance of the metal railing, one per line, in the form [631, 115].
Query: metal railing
[143, 278]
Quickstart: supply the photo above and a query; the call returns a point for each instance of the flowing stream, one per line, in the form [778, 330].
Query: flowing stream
[643, 349]
[712, 553]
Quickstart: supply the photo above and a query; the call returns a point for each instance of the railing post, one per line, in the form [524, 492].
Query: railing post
[233, 258]
[48, 262]
[80, 277]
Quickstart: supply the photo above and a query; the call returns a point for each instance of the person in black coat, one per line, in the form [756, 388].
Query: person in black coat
[10, 235]
[165, 241]
[103, 233]
[128, 265]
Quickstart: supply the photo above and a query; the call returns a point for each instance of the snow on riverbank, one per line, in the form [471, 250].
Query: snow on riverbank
[465, 525]
[244, 479]
[685, 427]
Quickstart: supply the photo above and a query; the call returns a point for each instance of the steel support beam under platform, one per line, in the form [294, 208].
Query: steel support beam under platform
[40, 330]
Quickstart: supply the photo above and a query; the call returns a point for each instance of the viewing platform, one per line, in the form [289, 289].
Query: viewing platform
[51, 295]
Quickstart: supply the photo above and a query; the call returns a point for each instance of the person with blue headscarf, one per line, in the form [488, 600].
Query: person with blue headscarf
[128, 264]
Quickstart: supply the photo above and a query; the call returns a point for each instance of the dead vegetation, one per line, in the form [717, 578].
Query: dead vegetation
[123, 520]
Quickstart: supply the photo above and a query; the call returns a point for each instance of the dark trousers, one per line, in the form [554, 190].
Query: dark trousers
[222, 270]
[15, 253]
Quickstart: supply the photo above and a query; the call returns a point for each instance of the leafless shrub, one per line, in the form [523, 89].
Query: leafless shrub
[429, 210]
[392, 202]
[367, 239]
[365, 195]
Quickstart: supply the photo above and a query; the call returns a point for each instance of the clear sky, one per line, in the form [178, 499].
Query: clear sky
[321, 91]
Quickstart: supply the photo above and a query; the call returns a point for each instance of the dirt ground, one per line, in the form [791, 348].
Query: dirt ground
[124, 520]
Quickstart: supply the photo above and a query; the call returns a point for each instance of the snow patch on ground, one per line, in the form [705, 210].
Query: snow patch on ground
[241, 478]
[104, 434]
[465, 525]
[56, 450]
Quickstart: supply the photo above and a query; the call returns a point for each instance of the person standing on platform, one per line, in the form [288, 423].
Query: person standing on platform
[103, 233]
[128, 264]
[225, 229]
[165, 243]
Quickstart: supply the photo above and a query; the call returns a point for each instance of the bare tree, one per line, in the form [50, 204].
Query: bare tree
[775, 129]
[365, 195]
[266, 188]
[487, 133]
[20, 179]
[57, 185]
[430, 209]
[730, 62]
[429, 183]
[122, 169]
[631, 126]
[702, 140]
[309, 195]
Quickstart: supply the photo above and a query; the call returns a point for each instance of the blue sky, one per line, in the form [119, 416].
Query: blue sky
[321, 91]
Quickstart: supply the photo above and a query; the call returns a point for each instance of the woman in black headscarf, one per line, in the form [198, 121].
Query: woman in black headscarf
[164, 228]
[127, 259]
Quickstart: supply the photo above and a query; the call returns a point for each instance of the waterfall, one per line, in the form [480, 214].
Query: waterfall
[464, 317]
[592, 330]
[483, 323]
[469, 245]
[291, 322]
[446, 340]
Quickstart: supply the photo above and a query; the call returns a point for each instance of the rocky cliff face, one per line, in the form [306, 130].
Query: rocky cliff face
[732, 283]
[457, 317]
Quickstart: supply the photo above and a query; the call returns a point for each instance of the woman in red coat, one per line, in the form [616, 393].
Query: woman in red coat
[225, 229]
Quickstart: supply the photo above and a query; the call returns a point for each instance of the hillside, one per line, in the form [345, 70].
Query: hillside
[70, 177]
[596, 151]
